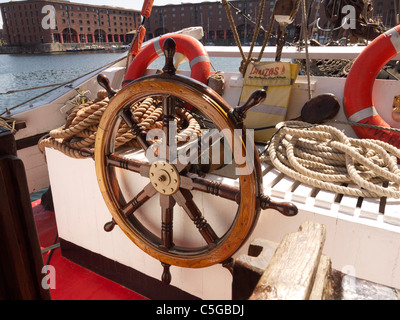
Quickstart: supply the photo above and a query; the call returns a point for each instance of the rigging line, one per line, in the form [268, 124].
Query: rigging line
[267, 36]
[246, 16]
[255, 36]
[316, 15]
[62, 85]
[28, 89]
[305, 37]
[233, 27]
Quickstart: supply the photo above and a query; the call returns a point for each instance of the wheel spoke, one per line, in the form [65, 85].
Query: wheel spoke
[167, 210]
[134, 165]
[192, 181]
[143, 196]
[202, 149]
[136, 128]
[185, 199]
[169, 126]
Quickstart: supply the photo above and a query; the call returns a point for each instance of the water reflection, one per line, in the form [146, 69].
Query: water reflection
[26, 71]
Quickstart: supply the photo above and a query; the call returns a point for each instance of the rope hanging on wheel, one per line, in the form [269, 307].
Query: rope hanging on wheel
[82, 124]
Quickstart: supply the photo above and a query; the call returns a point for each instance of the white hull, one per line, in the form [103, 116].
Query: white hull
[367, 248]
[361, 242]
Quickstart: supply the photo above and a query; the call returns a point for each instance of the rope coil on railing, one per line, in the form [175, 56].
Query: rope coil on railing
[324, 157]
[81, 126]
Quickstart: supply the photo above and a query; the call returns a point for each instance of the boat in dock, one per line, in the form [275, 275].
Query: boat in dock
[162, 180]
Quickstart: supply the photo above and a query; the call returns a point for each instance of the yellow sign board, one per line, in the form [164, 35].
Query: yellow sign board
[277, 79]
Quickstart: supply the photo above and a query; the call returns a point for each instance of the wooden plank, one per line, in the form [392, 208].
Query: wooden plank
[21, 260]
[271, 178]
[348, 205]
[283, 187]
[370, 208]
[301, 193]
[392, 212]
[325, 199]
[291, 272]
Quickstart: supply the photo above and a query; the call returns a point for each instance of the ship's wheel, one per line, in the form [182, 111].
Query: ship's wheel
[175, 182]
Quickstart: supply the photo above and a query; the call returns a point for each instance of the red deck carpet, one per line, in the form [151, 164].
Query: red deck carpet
[74, 282]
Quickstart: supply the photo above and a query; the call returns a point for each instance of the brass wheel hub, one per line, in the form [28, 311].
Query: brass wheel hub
[165, 178]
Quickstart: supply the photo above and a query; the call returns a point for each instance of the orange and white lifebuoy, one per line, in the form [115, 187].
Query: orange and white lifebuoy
[190, 47]
[358, 103]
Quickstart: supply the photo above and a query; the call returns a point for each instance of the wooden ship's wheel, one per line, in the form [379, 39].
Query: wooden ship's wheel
[175, 181]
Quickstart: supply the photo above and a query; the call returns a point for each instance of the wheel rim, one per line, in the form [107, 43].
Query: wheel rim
[159, 246]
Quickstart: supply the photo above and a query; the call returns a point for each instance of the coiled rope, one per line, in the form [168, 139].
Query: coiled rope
[81, 126]
[324, 157]
[8, 124]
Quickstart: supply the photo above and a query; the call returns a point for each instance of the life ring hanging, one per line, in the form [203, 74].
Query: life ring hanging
[358, 103]
[186, 45]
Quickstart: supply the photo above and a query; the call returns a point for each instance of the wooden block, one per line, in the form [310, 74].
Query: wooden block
[322, 288]
[8, 145]
[290, 274]
[249, 268]
[358, 289]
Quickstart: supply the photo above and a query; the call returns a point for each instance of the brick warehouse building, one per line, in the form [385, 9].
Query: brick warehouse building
[212, 16]
[24, 23]
[79, 23]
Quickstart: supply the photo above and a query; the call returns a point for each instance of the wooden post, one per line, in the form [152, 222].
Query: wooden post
[296, 271]
[21, 260]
